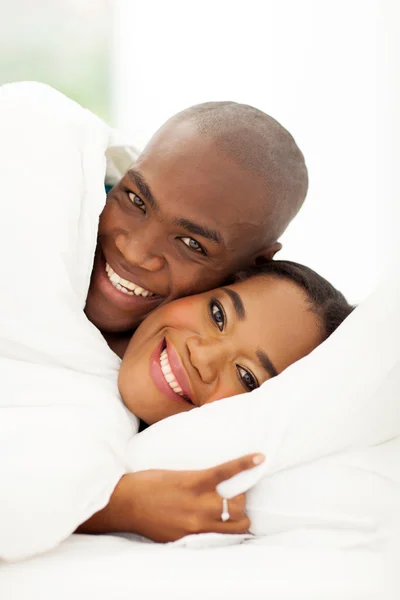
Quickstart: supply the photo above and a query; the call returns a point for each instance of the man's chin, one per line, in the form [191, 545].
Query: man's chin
[103, 320]
[109, 324]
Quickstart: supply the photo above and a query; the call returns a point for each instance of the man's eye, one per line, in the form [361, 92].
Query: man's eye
[247, 378]
[217, 314]
[193, 245]
[137, 201]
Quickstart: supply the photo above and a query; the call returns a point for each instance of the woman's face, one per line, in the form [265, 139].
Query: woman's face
[203, 348]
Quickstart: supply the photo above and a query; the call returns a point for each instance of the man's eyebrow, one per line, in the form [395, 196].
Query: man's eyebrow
[237, 303]
[266, 363]
[143, 187]
[206, 232]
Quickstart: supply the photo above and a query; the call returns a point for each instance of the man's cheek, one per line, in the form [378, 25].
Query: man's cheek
[186, 282]
[197, 281]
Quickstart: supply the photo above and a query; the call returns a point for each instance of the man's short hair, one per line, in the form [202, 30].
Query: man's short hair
[260, 144]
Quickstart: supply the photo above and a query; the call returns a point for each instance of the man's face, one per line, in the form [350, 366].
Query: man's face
[182, 219]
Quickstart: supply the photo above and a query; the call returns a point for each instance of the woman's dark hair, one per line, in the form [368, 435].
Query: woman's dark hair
[325, 300]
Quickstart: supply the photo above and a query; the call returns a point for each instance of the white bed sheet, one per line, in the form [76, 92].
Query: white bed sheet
[114, 568]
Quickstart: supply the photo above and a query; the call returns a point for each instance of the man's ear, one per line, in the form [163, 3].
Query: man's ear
[268, 253]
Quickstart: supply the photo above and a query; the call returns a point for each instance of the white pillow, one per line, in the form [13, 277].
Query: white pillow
[329, 427]
[63, 427]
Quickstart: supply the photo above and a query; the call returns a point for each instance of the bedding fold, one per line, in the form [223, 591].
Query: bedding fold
[63, 426]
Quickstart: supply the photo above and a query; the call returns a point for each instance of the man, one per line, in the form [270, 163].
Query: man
[211, 193]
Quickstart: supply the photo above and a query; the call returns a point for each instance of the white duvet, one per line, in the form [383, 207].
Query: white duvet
[63, 428]
[113, 568]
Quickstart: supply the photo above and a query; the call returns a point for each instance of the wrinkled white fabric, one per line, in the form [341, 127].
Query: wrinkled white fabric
[104, 567]
[63, 427]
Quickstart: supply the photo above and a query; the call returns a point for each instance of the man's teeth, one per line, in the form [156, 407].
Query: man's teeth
[168, 375]
[123, 285]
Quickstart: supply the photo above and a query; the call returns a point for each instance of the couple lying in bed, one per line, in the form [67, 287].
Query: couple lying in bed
[204, 205]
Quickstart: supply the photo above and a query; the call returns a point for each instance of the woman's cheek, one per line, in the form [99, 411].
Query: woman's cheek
[226, 389]
[183, 314]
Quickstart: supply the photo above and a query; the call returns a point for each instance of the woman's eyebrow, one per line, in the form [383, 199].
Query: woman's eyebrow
[240, 311]
[237, 303]
[266, 363]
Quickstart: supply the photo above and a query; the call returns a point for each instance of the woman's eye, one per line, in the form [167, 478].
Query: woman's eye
[217, 314]
[247, 378]
[137, 201]
[193, 245]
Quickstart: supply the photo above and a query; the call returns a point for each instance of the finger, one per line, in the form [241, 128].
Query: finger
[231, 526]
[227, 470]
[211, 507]
[236, 507]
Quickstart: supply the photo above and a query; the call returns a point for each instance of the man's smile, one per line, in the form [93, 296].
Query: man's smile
[123, 292]
[125, 286]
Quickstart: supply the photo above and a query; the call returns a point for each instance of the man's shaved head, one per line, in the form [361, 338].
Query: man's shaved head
[258, 143]
[210, 195]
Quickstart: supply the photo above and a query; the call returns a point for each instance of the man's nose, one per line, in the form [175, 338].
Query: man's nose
[141, 249]
[207, 356]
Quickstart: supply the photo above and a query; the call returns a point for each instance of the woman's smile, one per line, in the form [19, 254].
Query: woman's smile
[203, 348]
[168, 373]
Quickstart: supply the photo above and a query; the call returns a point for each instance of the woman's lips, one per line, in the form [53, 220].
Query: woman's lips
[178, 370]
[160, 381]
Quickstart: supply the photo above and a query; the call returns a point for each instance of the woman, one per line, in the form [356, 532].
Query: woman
[201, 349]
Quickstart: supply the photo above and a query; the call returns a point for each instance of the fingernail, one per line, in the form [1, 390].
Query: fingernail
[258, 459]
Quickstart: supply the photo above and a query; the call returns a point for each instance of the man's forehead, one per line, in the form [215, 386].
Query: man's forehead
[207, 179]
[181, 151]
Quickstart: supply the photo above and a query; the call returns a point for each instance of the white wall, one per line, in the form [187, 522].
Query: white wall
[316, 66]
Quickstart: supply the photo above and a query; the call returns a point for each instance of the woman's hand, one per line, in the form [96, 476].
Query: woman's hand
[167, 505]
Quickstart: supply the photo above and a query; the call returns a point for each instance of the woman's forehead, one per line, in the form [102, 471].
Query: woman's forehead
[278, 319]
[272, 300]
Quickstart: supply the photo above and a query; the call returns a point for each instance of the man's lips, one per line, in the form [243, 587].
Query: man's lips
[120, 298]
[178, 371]
[116, 296]
[125, 285]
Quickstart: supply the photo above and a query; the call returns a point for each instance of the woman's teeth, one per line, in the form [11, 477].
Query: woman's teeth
[168, 375]
[125, 286]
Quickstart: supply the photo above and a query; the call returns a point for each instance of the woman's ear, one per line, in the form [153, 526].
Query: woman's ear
[268, 253]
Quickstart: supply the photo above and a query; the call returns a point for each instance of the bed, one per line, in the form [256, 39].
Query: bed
[107, 567]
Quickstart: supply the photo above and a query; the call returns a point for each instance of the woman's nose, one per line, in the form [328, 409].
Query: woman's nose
[141, 249]
[207, 356]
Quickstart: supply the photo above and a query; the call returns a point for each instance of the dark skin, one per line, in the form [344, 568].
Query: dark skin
[206, 218]
[182, 220]
[167, 505]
